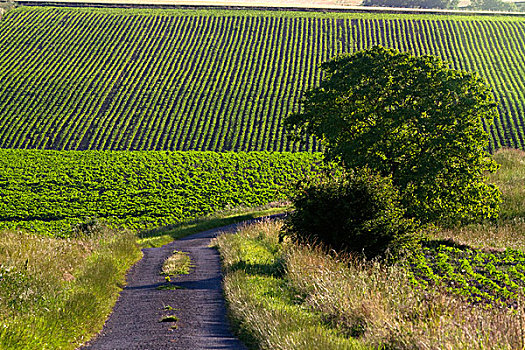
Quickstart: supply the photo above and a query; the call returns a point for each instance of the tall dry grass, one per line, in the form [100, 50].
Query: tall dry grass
[260, 303]
[56, 293]
[378, 305]
[339, 302]
[375, 304]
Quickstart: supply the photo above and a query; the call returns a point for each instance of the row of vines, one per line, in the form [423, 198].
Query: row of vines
[106, 79]
[53, 191]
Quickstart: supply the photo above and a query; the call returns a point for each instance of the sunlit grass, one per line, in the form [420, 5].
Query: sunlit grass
[56, 293]
[279, 294]
[509, 230]
[179, 263]
[510, 178]
[264, 309]
[165, 235]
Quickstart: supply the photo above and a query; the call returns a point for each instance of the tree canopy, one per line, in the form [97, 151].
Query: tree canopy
[412, 118]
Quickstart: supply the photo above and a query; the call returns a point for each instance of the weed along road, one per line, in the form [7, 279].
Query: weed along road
[182, 312]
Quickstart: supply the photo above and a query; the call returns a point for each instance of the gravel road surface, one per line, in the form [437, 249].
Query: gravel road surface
[198, 304]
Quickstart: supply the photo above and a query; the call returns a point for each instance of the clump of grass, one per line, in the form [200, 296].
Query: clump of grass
[56, 293]
[179, 263]
[169, 318]
[169, 286]
[286, 296]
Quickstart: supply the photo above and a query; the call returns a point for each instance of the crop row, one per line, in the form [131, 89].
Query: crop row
[102, 79]
[51, 191]
[494, 278]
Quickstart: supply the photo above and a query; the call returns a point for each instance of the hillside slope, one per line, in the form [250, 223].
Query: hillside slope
[117, 79]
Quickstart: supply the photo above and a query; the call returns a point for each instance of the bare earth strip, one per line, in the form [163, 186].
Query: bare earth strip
[198, 305]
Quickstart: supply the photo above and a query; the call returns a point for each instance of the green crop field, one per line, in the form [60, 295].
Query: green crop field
[490, 277]
[52, 191]
[130, 79]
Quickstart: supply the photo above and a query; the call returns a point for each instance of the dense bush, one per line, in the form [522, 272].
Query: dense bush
[358, 212]
[411, 118]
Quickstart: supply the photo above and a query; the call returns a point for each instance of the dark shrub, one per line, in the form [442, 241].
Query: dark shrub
[357, 212]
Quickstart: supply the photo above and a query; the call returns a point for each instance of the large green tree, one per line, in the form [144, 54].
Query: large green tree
[412, 118]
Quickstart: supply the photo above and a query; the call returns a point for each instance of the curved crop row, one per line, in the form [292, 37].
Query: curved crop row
[106, 79]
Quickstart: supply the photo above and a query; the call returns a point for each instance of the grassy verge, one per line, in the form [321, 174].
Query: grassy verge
[57, 293]
[266, 312]
[464, 290]
[283, 296]
[165, 235]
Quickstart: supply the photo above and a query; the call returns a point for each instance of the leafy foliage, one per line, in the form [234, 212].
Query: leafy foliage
[358, 212]
[143, 79]
[412, 118]
[55, 191]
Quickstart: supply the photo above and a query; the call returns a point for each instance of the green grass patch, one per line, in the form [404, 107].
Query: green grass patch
[170, 318]
[169, 286]
[165, 235]
[264, 309]
[510, 178]
[179, 263]
[57, 293]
